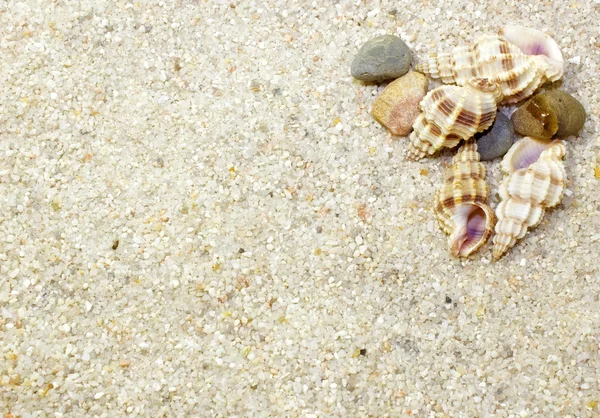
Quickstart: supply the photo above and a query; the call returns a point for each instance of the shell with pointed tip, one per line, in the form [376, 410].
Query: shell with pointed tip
[461, 205]
[536, 43]
[453, 113]
[536, 182]
[492, 57]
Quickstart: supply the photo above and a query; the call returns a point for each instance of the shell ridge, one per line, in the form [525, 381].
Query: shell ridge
[451, 114]
[518, 73]
[528, 190]
[461, 203]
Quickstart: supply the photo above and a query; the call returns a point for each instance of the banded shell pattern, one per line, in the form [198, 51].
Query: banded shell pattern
[461, 205]
[492, 57]
[536, 182]
[540, 46]
[453, 113]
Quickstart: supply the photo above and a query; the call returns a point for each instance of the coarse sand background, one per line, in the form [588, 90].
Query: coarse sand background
[201, 218]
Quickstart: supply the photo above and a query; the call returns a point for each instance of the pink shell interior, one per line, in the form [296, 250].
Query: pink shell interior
[471, 221]
[528, 151]
[532, 42]
[536, 43]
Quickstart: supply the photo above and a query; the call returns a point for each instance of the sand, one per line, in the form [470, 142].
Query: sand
[201, 218]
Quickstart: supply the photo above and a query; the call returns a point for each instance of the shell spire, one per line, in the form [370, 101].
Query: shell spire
[493, 57]
[453, 113]
[443, 66]
[536, 182]
[461, 205]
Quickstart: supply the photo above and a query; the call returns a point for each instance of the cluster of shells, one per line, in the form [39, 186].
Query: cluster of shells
[495, 70]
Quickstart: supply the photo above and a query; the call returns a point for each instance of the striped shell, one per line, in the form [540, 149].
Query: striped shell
[453, 113]
[536, 181]
[492, 57]
[461, 205]
[542, 47]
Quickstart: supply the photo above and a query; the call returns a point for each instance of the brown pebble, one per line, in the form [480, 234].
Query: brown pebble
[554, 113]
[397, 106]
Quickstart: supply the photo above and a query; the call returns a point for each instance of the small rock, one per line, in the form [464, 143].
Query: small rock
[397, 106]
[570, 112]
[382, 58]
[554, 113]
[497, 140]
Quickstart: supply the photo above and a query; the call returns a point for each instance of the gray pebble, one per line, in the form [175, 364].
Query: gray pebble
[382, 58]
[496, 141]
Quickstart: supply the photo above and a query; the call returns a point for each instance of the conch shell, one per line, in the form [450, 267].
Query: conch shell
[453, 113]
[536, 182]
[461, 205]
[537, 44]
[491, 57]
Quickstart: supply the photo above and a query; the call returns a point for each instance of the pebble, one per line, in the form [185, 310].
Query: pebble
[497, 140]
[554, 113]
[397, 106]
[382, 58]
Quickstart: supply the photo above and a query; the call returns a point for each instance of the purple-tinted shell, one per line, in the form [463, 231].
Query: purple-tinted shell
[537, 43]
[474, 224]
[523, 153]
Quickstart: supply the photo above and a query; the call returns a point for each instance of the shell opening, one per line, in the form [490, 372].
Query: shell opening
[541, 47]
[532, 42]
[526, 152]
[470, 233]
[527, 159]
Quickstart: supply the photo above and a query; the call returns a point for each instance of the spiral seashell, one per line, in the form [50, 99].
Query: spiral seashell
[542, 47]
[461, 205]
[491, 57]
[453, 113]
[536, 182]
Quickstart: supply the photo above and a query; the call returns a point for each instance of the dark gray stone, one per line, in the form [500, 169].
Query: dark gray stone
[496, 141]
[382, 58]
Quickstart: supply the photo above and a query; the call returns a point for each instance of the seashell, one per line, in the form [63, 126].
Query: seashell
[536, 182]
[539, 45]
[453, 113]
[461, 205]
[491, 57]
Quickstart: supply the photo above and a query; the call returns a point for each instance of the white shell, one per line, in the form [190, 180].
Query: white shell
[536, 182]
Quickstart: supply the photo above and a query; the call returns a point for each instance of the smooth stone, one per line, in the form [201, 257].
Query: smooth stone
[397, 106]
[569, 111]
[534, 120]
[497, 140]
[554, 113]
[382, 58]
